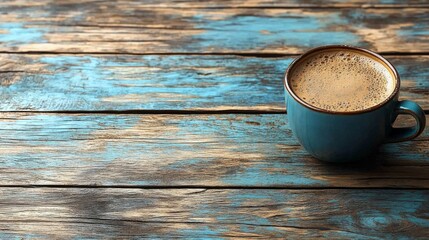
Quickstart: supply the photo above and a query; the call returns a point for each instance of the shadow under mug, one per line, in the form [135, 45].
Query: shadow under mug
[349, 136]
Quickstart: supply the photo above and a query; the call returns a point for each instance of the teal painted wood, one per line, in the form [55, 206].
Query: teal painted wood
[187, 150]
[97, 27]
[154, 82]
[66, 82]
[81, 213]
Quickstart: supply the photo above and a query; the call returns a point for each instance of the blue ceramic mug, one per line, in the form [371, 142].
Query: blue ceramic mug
[349, 136]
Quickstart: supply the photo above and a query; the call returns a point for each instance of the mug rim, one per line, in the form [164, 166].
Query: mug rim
[387, 64]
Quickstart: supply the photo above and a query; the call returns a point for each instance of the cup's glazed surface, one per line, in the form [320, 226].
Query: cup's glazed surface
[349, 136]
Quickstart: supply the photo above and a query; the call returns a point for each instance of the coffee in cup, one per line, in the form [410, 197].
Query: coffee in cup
[341, 102]
[342, 80]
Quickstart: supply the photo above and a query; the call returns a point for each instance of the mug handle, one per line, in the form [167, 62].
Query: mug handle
[407, 133]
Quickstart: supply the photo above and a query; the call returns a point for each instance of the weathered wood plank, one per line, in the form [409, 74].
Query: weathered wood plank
[207, 213]
[100, 27]
[154, 82]
[187, 150]
[138, 4]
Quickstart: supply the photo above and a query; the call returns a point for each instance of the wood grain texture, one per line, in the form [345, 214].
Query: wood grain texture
[153, 82]
[217, 4]
[206, 213]
[187, 150]
[100, 27]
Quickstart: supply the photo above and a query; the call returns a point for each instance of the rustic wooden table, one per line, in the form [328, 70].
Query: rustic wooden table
[166, 119]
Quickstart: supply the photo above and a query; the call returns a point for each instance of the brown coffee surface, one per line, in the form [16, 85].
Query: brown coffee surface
[341, 80]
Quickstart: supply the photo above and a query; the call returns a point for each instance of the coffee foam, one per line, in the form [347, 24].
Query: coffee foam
[341, 80]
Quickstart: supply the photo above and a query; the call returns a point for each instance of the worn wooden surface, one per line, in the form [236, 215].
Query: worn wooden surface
[187, 150]
[65, 213]
[92, 169]
[137, 4]
[191, 82]
[96, 27]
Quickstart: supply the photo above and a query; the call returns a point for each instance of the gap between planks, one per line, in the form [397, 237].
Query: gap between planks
[364, 6]
[149, 111]
[307, 6]
[142, 112]
[205, 187]
[242, 54]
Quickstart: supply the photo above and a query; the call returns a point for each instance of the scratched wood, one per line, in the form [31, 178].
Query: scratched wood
[73, 213]
[187, 150]
[216, 4]
[153, 82]
[100, 27]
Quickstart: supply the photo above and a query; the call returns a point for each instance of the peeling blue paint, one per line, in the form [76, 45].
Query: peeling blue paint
[415, 31]
[373, 219]
[259, 175]
[396, 152]
[204, 232]
[388, 1]
[85, 82]
[82, 238]
[255, 32]
[420, 79]
[58, 132]
[17, 236]
[17, 33]
[374, 216]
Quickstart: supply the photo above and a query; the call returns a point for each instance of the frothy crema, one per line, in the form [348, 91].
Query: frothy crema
[341, 80]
